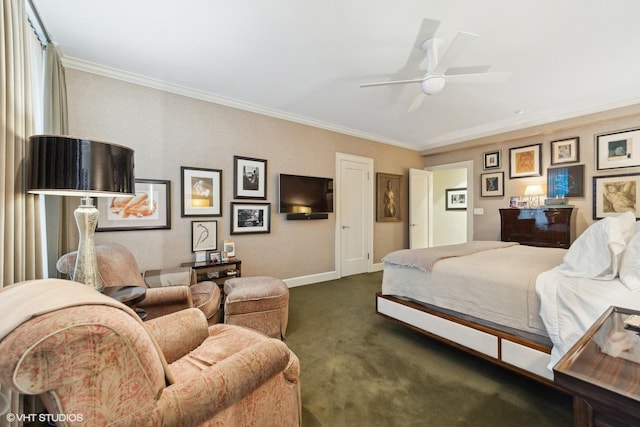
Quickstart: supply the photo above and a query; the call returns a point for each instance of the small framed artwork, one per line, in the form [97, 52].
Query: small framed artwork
[215, 257]
[525, 161]
[230, 249]
[148, 209]
[491, 159]
[201, 258]
[456, 199]
[613, 195]
[249, 178]
[565, 151]
[565, 181]
[250, 218]
[201, 192]
[492, 184]
[514, 201]
[388, 194]
[204, 236]
[618, 149]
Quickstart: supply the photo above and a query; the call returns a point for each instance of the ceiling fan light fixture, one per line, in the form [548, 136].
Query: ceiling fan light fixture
[432, 85]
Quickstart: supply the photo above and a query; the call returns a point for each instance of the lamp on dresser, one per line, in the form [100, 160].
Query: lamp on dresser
[534, 192]
[67, 166]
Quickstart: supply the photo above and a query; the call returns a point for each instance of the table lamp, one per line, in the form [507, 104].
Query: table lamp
[67, 166]
[533, 191]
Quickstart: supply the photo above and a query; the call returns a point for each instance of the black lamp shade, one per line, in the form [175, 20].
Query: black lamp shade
[64, 165]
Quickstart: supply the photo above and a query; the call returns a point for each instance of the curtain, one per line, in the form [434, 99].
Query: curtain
[61, 238]
[20, 248]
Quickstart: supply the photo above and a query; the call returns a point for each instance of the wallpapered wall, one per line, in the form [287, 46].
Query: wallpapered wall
[487, 226]
[168, 131]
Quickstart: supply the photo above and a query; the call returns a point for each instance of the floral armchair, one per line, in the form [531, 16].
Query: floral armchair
[90, 356]
[168, 290]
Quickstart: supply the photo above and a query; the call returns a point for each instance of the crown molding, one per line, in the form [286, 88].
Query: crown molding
[138, 79]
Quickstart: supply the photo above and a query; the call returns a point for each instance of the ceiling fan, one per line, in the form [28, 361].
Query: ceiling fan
[439, 70]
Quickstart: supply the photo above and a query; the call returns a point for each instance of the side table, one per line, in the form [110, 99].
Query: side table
[129, 296]
[217, 272]
[602, 371]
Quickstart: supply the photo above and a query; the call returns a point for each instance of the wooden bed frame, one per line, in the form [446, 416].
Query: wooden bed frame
[515, 353]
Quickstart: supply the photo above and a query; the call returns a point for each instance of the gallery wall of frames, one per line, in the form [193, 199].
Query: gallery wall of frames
[614, 183]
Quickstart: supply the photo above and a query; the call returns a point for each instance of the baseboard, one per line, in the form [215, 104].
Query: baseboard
[312, 278]
[321, 277]
[377, 266]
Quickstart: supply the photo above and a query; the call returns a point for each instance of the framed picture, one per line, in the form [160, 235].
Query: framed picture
[215, 257]
[492, 184]
[613, 195]
[618, 149]
[229, 249]
[565, 181]
[149, 209]
[204, 236]
[249, 178]
[248, 218]
[201, 192]
[514, 201]
[388, 197]
[491, 159]
[525, 161]
[565, 151]
[456, 199]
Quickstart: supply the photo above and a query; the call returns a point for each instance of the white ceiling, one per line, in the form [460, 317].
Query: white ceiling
[304, 60]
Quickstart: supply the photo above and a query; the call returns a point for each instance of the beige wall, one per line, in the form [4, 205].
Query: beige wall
[487, 226]
[168, 131]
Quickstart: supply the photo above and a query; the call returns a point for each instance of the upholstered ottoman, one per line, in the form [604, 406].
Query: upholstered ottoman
[259, 302]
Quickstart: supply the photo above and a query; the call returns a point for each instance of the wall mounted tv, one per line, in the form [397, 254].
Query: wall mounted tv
[305, 197]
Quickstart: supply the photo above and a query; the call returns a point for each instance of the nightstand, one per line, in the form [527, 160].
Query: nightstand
[602, 371]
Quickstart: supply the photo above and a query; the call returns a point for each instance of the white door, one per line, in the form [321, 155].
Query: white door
[355, 212]
[419, 201]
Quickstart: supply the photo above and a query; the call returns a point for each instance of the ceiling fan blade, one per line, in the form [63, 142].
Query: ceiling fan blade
[475, 69]
[393, 82]
[417, 102]
[462, 41]
[416, 58]
[497, 77]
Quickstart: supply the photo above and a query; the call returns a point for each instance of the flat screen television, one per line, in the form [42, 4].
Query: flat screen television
[305, 196]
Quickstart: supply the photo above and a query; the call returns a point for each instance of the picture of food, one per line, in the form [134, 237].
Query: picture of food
[138, 206]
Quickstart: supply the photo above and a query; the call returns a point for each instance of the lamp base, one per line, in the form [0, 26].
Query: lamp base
[86, 270]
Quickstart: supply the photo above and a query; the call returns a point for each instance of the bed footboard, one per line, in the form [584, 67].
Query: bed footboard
[515, 353]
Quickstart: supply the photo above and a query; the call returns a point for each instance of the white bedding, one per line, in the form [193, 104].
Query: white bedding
[570, 305]
[496, 285]
[600, 270]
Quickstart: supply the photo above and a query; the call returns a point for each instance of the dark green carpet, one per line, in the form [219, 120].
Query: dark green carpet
[360, 369]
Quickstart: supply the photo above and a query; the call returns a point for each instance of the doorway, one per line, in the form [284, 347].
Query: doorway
[459, 223]
[354, 214]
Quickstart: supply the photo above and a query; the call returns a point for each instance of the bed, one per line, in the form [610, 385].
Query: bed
[519, 306]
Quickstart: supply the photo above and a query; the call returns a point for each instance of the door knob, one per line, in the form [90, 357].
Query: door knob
[345, 226]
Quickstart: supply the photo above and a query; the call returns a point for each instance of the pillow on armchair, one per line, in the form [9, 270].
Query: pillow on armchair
[118, 267]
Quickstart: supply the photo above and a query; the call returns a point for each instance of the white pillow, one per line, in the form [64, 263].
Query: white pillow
[630, 264]
[597, 252]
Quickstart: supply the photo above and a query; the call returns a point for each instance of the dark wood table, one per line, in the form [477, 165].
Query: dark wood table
[129, 296]
[602, 370]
